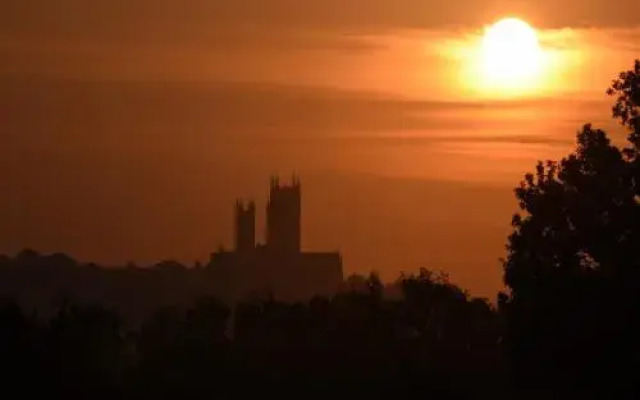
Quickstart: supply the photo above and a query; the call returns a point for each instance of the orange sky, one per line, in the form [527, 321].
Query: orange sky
[129, 126]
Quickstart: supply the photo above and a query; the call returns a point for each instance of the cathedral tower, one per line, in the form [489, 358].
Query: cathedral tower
[283, 217]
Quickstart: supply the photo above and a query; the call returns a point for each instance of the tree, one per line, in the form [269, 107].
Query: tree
[626, 90]
[573, 265]
[84, 352]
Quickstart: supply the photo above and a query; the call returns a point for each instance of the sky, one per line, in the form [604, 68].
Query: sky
[129, 127]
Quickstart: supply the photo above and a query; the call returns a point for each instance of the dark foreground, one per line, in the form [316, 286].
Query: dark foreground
[428, 337]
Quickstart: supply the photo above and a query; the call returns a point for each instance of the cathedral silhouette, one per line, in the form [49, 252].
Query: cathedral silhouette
[279, 268]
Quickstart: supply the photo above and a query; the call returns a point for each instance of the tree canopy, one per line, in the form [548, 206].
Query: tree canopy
[573, 267]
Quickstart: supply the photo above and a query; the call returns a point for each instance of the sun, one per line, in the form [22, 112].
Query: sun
[511, 55]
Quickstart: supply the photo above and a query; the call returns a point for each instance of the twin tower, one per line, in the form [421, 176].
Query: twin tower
[283, 220]
[279, 267]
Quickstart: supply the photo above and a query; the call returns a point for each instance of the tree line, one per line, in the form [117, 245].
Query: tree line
[430, 336]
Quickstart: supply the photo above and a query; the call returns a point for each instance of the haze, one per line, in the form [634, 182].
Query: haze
[129, 128]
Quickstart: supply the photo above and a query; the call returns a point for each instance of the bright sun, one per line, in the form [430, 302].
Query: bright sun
[511, 55]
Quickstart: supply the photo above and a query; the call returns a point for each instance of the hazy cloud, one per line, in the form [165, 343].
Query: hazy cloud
[387, 45]
[597, 39]
[163, 21]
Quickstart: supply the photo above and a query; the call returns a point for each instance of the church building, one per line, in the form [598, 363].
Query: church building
[279, 268]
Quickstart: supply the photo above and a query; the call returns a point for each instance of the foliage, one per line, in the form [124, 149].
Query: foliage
[434, 338]
[573, 266]
[626, 90]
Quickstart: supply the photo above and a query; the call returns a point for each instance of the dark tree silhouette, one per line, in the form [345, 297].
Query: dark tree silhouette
[626, 90]
[19, 348]
[573, 265]
[420, 334]
[83, 352]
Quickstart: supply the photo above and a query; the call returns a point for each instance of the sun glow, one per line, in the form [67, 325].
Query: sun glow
[511, 56]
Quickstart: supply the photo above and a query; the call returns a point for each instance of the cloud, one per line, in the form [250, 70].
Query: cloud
[194, 20]
[596, 39]
[414, 48]
[385, 45]
[146, 117]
